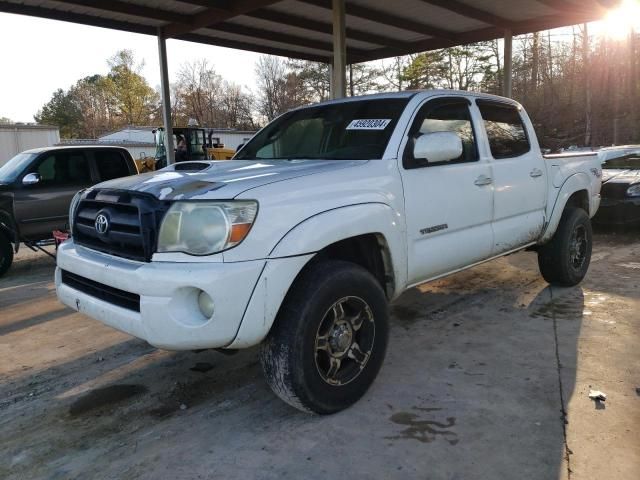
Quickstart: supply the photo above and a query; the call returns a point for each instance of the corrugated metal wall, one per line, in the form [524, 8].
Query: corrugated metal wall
[18, 138]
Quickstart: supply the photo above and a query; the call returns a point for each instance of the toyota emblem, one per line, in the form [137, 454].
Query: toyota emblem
[102, 224]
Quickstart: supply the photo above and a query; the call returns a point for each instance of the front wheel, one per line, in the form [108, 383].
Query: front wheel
[6, 254]
[329, 339]
[565, 259]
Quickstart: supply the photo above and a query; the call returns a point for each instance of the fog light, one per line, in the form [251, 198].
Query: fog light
[205, 302]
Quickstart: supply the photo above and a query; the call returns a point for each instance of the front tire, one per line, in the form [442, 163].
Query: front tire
[565, 259]
[6, 254]
[329, 339]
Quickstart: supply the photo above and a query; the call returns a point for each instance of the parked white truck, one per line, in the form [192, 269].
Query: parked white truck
[327, 214]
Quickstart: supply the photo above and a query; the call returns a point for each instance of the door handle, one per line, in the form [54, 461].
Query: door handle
[536, 172]
[483, 180]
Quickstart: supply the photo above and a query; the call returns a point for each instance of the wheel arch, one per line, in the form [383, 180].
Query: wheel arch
[368, 235]
[574, 192]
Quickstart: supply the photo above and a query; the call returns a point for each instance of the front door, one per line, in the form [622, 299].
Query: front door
[43, 207]
[448, 205]
[519, 176]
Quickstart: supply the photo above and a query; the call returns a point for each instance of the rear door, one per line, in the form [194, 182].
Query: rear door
[518, 175]
[44, 206]
[448, 205]
[110, 164]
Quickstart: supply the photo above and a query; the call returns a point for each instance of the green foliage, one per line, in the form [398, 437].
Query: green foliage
[99, 103]
[62, 111]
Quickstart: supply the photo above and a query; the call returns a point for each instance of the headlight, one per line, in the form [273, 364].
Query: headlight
[203, 228]
[73, 207]
[634, 190]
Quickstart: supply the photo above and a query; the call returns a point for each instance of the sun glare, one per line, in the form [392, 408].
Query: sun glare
[621, 20]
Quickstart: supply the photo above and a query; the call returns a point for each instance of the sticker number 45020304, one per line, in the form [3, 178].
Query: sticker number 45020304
[369, 124]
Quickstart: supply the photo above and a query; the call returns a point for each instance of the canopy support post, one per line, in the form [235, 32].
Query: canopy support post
[507, 89]
[339, 70]
[165, 93]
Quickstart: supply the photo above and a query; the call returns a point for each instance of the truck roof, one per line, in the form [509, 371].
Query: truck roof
[412, 93]
[72, 147]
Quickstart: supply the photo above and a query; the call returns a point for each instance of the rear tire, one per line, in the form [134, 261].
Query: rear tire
[6, 254]
[565, 259]
[329, 339]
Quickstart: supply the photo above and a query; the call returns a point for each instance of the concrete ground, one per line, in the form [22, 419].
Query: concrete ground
[487, 377]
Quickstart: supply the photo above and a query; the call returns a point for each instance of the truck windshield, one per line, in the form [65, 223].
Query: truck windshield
[14, 167]
[357, 130]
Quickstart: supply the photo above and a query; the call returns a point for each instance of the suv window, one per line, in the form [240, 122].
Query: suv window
[64, 168]
[443, 115]
[111, 164]
[505, 130]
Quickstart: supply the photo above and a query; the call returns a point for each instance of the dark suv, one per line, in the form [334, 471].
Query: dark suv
[36, 188]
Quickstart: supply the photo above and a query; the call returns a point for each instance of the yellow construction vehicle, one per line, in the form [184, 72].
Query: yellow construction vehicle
[191, 143]
[217, 151]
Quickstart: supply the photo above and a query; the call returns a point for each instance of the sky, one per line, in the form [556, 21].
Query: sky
[38, 56]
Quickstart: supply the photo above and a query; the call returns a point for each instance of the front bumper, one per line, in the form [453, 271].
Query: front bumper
[169, 315]
[625, 211]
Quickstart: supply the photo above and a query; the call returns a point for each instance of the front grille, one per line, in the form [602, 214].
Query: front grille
[614, 190]
[112, 295]
[133, 222]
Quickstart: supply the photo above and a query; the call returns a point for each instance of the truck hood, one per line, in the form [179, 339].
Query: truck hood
[620, 175]
[223, 179]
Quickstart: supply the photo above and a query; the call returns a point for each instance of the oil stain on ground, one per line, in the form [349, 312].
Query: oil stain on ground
[425, 431]
[102, 397]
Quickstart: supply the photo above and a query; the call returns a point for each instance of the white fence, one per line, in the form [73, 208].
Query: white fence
[18, 138]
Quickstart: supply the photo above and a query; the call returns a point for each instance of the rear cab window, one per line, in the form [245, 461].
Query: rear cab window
[111, 164]
[505, 129]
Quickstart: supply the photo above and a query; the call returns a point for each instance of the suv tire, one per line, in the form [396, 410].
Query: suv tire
[329, 339]
[564, 261]
[6, 254]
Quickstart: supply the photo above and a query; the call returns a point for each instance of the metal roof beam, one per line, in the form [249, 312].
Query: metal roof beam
[53, 14]
[580, 6]
[216, 13]
[321, 27]
[131, 9]
[470, 12]
[254, 47]
[283, 38]
[491, 33]
[386, 19]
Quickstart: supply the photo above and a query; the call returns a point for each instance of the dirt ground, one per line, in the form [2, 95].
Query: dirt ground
[487, 377]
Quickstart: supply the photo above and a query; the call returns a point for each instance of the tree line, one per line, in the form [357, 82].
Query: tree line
[578, 89]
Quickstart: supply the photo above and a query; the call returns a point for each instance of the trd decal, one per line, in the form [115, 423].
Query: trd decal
[435, 228]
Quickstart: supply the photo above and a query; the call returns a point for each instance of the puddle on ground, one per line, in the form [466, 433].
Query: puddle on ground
[406, 316]
[102, 397]
[425, 431]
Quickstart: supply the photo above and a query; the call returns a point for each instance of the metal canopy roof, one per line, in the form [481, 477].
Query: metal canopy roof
[303, 28]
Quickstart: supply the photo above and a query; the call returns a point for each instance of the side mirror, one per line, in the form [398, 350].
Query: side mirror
[438, 147]
[31, 179]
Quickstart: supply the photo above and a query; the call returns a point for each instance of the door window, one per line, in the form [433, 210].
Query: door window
[442, 115]
[506, 132]
[64, 168]
[111, 164]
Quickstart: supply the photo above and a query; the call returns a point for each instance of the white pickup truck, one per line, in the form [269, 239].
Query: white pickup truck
[327, 214]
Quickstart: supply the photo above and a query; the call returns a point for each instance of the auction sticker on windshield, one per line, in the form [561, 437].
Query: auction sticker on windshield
[369, 124]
